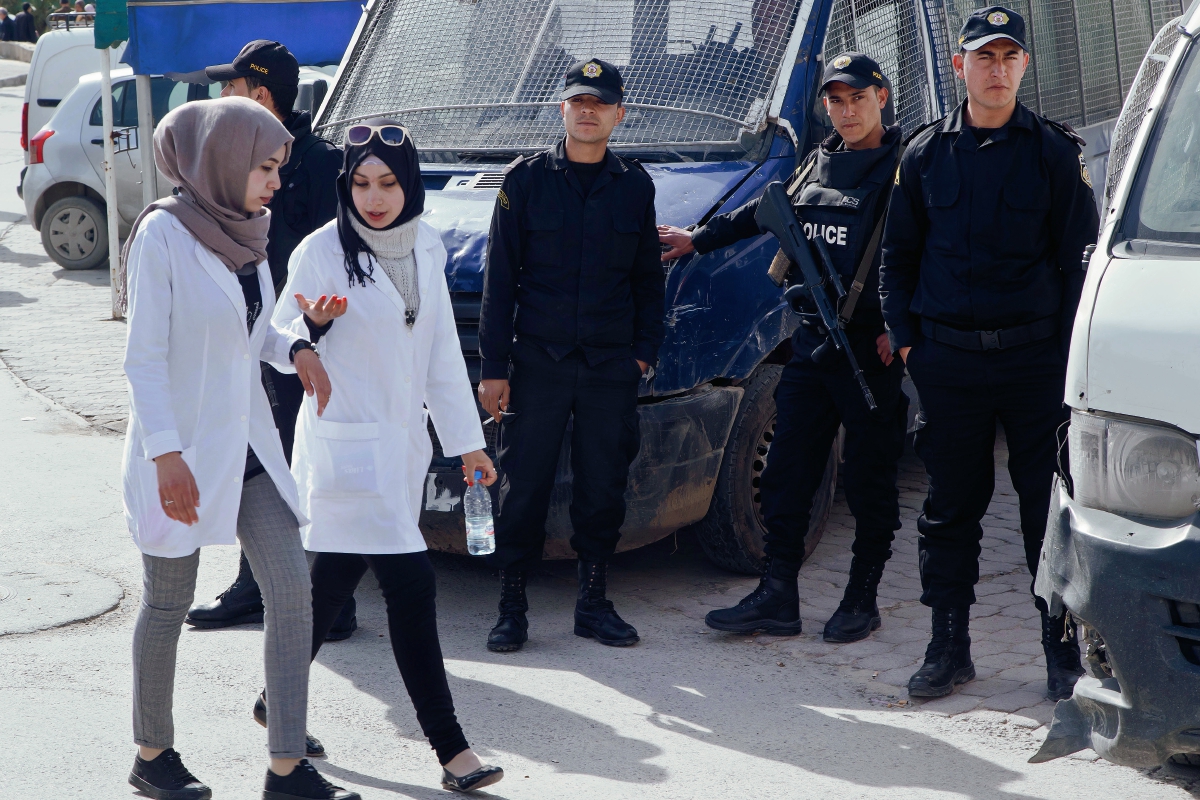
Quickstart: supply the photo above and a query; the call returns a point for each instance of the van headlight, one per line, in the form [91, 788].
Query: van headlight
[1140, 469]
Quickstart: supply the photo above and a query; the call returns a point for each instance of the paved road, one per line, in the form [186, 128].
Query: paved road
[688, 713]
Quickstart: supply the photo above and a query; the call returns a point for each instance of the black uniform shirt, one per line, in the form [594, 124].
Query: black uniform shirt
[571, 270]
[986, 236]
[307, 197]
[843, 192]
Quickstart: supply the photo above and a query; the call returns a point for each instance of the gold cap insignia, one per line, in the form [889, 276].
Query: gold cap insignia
[962, 40]
[998, 18]
[591, 70]
[841, 62]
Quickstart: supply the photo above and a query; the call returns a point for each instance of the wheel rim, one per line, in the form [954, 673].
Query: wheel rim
[762, 446]
[73, 234]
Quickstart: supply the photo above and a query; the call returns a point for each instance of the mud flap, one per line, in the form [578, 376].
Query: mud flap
[1069, 733]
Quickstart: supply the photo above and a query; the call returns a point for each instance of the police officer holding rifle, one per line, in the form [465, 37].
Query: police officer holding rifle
[842, 371]
[981, 276]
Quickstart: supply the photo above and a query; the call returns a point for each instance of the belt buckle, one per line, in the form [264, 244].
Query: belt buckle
[990, 340]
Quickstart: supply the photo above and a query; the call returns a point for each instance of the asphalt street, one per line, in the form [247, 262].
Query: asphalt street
[688, 713]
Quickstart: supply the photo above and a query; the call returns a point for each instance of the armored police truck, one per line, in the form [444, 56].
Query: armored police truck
[722, 98]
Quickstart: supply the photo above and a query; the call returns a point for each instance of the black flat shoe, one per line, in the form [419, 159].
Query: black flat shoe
[346, 623]
[166, 778]
[312, 745]
[484, 776]
[304, 783]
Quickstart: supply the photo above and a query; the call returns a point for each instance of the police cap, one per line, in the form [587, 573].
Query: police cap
[854, 69]
[269, 62]
[595, 77]
[988, 25]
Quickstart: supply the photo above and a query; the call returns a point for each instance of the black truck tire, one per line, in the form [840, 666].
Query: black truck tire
[75, 233]
[732, 532]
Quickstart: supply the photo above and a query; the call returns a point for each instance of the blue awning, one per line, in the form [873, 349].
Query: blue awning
[188, 35]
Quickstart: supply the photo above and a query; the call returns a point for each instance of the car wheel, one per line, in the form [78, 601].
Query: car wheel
[732, 534]
[75, 233]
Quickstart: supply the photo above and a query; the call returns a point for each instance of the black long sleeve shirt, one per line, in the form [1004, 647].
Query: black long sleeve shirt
[572, 270]
[987, 236]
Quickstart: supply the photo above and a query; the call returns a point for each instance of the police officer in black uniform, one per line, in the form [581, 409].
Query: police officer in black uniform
[269, 74]
[982, 272]
[572, 318]
[840, 194]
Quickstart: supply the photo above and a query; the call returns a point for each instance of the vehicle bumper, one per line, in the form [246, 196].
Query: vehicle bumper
[1133, 588]
[671, 480]
[21, 183]
[34, 181]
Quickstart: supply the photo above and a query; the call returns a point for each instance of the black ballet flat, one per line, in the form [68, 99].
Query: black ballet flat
[484, 776]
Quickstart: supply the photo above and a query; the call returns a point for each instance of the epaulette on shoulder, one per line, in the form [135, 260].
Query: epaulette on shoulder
[516, 162]
[1066, 130]
[633, 162]
[922, 129]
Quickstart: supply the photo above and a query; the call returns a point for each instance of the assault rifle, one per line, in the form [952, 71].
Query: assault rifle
[775, 214]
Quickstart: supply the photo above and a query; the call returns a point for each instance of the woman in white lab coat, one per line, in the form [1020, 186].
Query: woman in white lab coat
[203, 461]
[391, 347]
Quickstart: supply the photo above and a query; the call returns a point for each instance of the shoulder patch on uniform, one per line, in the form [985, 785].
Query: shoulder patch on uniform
[502, 199]
[1083, 171]
[1066, 130]
[516, 162]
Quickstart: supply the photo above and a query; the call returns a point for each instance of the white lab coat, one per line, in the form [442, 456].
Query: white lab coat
[195, 386]
[361, 467]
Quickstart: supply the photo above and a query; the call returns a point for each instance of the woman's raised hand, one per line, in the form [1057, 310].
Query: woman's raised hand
[322, 310]
[177, 490]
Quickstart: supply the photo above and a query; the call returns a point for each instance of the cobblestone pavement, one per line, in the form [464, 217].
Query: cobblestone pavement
[56, 335]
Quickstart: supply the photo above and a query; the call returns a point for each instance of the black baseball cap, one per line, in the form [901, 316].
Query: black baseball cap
[989, 24]
[268, 61]
[854, 69]
[595, 77]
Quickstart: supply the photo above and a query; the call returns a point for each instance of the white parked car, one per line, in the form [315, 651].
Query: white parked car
[63, 186]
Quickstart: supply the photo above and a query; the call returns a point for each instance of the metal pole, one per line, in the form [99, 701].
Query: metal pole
[110, 177]
[145, 104]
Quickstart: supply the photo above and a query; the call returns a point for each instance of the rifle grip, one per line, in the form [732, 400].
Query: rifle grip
[781, 265]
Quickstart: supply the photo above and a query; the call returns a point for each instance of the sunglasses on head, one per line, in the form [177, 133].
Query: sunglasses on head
[393, 135]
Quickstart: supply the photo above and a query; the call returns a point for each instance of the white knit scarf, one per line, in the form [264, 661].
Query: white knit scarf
[393, 249]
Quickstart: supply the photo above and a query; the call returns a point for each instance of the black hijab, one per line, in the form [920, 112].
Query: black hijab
[402, 160]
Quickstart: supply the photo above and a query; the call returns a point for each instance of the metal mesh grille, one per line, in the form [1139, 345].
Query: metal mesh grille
[1084, 52]
[1135, 107]
[889, 31]
[483, 75]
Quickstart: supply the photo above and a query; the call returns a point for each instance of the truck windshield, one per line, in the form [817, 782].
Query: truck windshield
[485, 75]
[1165, 203]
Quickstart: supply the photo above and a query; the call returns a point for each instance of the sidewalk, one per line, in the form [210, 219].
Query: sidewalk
[56, 337]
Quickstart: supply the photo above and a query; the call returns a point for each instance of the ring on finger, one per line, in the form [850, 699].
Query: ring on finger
[168, 502]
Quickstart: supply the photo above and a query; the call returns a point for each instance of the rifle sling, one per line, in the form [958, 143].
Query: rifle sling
[864, 267]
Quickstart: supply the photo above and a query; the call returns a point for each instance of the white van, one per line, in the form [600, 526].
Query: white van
[1122, 548]
[60, 59]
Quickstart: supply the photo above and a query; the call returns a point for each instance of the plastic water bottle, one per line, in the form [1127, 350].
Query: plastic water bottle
[477, 503]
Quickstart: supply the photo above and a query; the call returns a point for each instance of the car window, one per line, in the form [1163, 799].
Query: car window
[97, 118]
[165, 94]
[1165, 203]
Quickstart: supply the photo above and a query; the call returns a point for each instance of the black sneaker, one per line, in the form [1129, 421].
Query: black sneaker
[304, 783]
[166, 778]
[312, 745]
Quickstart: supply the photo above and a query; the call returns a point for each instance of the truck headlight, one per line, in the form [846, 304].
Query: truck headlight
[1140, 469]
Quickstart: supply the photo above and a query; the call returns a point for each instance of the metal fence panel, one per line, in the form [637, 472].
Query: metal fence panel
[486, 74]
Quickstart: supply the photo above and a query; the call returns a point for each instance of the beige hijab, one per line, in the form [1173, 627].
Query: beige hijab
[207, 149]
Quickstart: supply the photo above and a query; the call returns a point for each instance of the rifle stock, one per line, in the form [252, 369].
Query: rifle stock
[775, 214]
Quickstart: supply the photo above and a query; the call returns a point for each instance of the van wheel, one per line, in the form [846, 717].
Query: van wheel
[75, 233]
[732, 533]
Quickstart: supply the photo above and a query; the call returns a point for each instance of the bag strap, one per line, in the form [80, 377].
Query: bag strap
[864, 266]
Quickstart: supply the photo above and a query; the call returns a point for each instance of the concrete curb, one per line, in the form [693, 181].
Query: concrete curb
[17, 51]
[13, 80]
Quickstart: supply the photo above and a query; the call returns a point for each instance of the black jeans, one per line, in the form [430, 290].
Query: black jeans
[811, 401]
[286, 393]
[963, 395]
[544, 395]
[409, 589]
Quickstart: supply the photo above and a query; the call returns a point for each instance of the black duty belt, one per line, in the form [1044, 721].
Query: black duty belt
[990, 340]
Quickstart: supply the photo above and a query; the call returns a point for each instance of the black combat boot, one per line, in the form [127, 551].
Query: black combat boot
[240, 604]
[1062, 658]
[166, 778]
[774, 607]
[512, 629]
[858, 614]
[346, 623]
[948, 657]
[595, 616]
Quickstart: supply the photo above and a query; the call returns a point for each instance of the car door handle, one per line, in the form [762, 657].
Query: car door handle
[97, 141]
